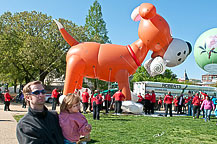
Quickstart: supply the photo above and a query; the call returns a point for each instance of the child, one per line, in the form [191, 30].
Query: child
[176, 104]
[208, 106]
[72, 122]
[159, 103]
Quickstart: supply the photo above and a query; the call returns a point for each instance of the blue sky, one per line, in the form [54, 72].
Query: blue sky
[187, 19]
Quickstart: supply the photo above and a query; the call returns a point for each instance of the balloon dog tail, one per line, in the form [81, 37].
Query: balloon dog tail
[69, 39]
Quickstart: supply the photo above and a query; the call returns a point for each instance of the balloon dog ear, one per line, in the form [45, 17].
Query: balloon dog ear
[147, 11]
[135, 14]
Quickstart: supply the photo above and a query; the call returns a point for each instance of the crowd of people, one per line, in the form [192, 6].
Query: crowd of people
[192, 105]
[40, 125]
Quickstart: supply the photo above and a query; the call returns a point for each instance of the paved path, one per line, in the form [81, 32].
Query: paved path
[7, 127]
[8, 123]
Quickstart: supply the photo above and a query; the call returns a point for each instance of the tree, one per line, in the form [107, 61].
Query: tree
[142, 75]
[96, 31]
[31, 46]
[95, 25]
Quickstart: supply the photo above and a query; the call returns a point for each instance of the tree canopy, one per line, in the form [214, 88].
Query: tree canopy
[31, 46]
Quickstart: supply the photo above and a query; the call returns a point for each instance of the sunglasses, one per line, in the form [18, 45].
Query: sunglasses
[37, 92]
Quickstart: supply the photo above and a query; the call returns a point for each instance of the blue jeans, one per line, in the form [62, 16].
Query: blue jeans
[68, 142]
[207, 114]
[190, 109]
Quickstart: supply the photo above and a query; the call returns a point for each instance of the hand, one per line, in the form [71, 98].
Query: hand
[88, 127]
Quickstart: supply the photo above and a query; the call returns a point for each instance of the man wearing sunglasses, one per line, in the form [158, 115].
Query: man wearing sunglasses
[39, 125]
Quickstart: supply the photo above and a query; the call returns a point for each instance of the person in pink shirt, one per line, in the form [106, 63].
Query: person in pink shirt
[208, 106]
[72, 122]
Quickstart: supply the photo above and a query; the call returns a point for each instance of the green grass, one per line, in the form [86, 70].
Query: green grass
[136, 129]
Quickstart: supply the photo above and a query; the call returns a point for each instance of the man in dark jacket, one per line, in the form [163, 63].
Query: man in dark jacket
[38, 126]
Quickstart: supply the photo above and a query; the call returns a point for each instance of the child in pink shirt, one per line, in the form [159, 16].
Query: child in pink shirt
[208, 106]
[72, 122]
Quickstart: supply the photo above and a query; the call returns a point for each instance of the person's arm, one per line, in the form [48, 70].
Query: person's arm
[201, 107]
[27, 135]
[165, 98]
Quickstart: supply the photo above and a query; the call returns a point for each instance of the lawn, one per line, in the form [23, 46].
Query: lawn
[138, 129]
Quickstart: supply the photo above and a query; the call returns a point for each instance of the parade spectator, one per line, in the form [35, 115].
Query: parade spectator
[203, 97]
[38, 126]
[23, 99]
[54, 96]
[148, 99]
[189, 103]
[1, 95]
[101, 102]
[77, 92]
[118, 98]
[72, 122]
[96, 105]
[153, 101]
[196, 105]
[180, 104]
[85, 98]
[107, 101]
[140, 98]
[159, 103]
[204, 94]
[58, 96]
[91, 101]
[208, 106]
[175, 101]
[8, 99]
[168, 101]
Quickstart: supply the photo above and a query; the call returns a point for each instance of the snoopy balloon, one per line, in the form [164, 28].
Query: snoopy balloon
[115, 63]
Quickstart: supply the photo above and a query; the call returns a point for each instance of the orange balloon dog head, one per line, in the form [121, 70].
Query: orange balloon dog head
[155, 33]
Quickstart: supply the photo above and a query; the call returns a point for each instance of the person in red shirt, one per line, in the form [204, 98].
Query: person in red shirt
[148, 99]
[96, 105]
[190, 105]
[175, 101]
[54, 96]
[202, 98]
[91, 101]
[168, 103]
[118, 98]
[153, 101]
[159, 103]
[196, 105]
[101, 97]
[140, 98]
[85, 98]
[8, 98]
[204, 94]
[107, 101]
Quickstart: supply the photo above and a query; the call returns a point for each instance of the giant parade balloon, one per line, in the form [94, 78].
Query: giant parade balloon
[205, 51]
[115, 63]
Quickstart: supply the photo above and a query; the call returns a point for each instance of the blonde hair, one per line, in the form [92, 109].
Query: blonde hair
[68, 101]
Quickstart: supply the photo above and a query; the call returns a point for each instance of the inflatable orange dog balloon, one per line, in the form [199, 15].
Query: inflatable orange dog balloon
[115, 63]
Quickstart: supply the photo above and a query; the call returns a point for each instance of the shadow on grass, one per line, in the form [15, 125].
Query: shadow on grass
[115, 119]
[93, 141]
